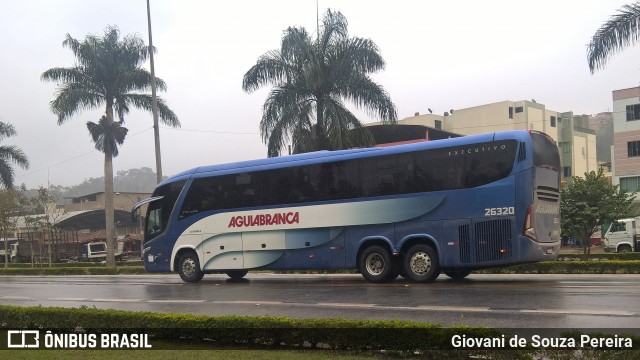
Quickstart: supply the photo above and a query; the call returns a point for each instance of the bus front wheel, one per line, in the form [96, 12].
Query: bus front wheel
[421, 263]
[189, 267]
[376, 264]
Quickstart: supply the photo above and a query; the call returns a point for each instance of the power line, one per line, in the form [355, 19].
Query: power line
[74, 157]
[209, 131]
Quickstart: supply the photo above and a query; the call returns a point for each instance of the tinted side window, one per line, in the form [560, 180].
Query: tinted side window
[545, 151]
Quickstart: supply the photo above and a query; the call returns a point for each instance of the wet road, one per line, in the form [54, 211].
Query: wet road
[504, 301]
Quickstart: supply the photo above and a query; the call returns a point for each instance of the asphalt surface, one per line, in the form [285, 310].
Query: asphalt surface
[503, 301]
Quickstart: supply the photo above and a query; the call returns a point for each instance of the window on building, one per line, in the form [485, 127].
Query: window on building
[438, 124]
[565, 146]
[633, 112]
[633, 148]
[519, 109]
[566, 171]
[510, 112]
[631, 184]
[553, 121]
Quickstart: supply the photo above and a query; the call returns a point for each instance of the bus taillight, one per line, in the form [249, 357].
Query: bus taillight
[529, 229]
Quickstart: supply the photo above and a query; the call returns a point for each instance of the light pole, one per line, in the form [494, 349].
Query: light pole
[154, 100]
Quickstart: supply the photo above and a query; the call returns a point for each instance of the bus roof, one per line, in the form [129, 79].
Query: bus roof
[338, 155]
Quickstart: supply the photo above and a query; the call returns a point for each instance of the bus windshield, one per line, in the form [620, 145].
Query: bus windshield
[159, 212]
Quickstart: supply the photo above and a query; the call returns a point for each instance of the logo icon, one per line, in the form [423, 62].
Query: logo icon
[23, 339]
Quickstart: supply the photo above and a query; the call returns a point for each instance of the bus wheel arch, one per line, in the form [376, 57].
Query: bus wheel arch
[188, 265]
[625, 248]
[376, 262]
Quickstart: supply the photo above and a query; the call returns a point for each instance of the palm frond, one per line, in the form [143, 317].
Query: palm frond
[107, 135]
[109, 72]
[6, 130]
[144, 101]
[310, 78]
[620, 31]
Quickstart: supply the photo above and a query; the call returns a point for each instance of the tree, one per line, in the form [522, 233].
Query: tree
[10, 155]
[107, 73]
[44, 204]
[586, 203]
[8, 208]
[311, 79]
[620, 31]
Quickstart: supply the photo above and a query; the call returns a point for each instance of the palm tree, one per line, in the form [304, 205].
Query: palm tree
[311, 79]
[620, 31]
[107, 73]
[10, 155]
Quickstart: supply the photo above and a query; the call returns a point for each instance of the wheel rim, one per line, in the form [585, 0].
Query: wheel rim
[420, 263]
[375, 264]
[189, 267]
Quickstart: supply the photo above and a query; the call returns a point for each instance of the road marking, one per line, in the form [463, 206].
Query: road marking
[454, 308]
[244, 302]
[116, 300]
[580, 312]
[17, 298]
[347, 305]
[176, 301]
[67, 299]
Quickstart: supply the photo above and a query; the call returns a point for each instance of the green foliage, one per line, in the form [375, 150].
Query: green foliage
[572, 267]
[108, 72]
[255, 332]
[588, 202]
[620, 31]
[312, 76]
[10, 155]
[74, 270]
[107, 136]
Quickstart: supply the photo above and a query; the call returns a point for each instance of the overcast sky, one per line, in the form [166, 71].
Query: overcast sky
[440, 54]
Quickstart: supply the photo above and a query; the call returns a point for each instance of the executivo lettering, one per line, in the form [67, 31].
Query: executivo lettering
[264, 220]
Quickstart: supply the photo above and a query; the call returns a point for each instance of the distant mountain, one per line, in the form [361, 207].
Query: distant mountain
[142, 180]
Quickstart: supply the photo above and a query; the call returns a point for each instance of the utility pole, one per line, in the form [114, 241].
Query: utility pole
[154, 101]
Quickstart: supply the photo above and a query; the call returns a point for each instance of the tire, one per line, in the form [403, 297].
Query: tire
[189, 268]
[457, 274]
[624, 249]
[376, 265]
[237, 274]
[421, 263]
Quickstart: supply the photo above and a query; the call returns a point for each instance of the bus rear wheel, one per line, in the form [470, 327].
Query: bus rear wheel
[376, 265]
[236, 274]
[421, 263]
[189, 267]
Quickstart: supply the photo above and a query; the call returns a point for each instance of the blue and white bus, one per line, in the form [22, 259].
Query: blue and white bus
[413, 210]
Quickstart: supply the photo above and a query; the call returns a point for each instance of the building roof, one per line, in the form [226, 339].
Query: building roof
[93, 219]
